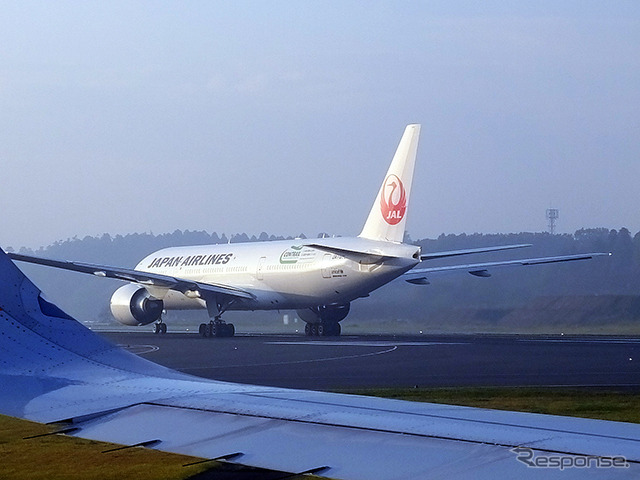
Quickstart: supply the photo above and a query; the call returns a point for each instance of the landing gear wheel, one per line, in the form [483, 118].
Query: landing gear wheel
[328, 329]
[217, 329]
[160, 328]
[322, 329]
[335, 329]
[203, 330]
[230, 330]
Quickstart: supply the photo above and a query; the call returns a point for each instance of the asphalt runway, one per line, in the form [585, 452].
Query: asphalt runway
[352, 362]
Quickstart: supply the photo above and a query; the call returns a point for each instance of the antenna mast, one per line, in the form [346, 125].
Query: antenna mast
[552, 216]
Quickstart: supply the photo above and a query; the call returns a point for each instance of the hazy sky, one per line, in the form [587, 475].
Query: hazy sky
[126, 117]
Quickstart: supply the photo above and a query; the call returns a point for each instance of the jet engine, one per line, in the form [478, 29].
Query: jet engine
[133, 305]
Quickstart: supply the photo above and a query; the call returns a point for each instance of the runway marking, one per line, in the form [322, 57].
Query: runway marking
[364, 344]
[600, 341]
[314, 360]
[140, 349]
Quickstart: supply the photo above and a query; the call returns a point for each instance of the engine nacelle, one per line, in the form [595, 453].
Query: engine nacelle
[133, 305]
[325, 313]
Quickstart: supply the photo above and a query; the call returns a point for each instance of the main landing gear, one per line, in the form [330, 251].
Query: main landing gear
[323, 321]
[216, 328]
[323, 329]
[160, 328]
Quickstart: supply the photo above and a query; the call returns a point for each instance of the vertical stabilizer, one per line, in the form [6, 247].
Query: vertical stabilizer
[389, 212]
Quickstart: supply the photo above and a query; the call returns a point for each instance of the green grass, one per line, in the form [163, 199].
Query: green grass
[60, 457]
[619, 406]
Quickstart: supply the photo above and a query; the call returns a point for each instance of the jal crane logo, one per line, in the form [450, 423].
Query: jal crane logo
[393, 200]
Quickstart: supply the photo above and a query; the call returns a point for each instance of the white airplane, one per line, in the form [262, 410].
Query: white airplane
[319, 278]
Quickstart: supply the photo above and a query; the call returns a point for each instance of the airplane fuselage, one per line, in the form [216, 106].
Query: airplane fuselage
[286, 274]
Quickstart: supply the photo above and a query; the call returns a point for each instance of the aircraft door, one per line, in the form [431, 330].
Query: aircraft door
[260, 270]
[326, 265]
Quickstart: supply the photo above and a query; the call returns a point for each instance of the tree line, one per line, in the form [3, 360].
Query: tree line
[618, 274]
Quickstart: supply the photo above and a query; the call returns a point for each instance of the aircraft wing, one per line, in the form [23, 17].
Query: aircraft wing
[417, 275]
[53, 369]
[137, 276]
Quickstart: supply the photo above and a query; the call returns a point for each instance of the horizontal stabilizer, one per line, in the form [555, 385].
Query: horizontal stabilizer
[482, 269]
[355, 255]
[469, 251]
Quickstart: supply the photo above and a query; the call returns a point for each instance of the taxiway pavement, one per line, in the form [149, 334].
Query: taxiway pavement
[352, 362]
